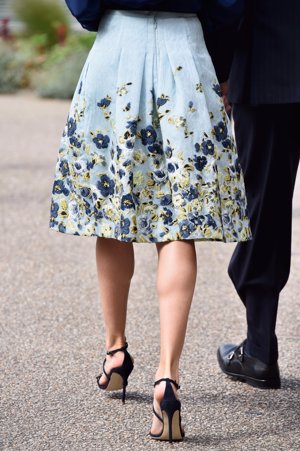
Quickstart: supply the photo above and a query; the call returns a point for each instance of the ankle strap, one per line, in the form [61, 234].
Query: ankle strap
[117, 350]
[166, 379]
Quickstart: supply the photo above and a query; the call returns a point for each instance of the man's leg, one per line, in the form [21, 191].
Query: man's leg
[269, 155]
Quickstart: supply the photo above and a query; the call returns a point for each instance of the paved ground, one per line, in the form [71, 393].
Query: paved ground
[51, 331]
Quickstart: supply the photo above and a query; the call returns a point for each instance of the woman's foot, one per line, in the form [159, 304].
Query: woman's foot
[112, 361]
[159, 391]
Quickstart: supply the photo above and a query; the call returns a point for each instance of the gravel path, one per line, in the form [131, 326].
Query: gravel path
[51, 329]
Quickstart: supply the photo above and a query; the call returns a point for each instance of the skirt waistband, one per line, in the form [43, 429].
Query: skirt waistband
[150, 14]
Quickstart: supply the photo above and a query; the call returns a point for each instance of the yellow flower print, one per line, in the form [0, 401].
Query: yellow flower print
[192, 109]
[122, 90]
[71, 225]
[207, 233]
[199, 87]
[150, 182]
[109, 212]
[107, 114]
[64, 205]
[86, 176]
[105, 230]
[178, 121]
[90, 229]
[178, 200]
[138, 178]
[146, 193]
[116, 202]
[139, 157]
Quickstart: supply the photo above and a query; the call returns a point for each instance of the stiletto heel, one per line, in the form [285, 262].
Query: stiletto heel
[117, 379]
[170, 408]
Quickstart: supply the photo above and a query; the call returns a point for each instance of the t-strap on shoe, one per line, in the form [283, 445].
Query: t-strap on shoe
[170, 408]
[117, 378]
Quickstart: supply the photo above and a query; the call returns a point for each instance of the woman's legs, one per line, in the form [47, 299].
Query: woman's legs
[115, 267]
[176, 278]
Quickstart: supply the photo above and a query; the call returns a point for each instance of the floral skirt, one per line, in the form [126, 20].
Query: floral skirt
[147, 154]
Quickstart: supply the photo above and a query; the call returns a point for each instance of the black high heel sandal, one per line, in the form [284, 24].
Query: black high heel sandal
[170, 408]
[117, 379]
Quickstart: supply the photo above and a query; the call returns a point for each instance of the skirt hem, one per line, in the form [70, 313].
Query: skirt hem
[143, 240]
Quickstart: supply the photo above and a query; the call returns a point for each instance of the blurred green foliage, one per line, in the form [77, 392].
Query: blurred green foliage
[40, 59]
[47, 18]
[12, 69]
[61, 70]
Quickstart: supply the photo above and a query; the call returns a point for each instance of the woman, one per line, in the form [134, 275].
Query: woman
[147, 156]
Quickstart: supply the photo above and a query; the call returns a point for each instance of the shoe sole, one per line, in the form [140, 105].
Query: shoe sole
[257, 383]
[176, 434]
[115, 382]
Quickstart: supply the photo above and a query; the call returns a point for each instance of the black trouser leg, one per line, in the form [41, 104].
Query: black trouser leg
[269, 150]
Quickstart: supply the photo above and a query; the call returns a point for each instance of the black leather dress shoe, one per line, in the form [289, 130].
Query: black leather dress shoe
[236, 363]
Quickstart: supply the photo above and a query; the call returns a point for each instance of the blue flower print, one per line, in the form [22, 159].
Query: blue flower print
[130, 144]
[148, 135]
[217, 89]
[54, 209]
[104, 103]
[186, 228]
[127, 202]
[162, 100]
[159, 176]
[71, 124]
[62, 228]
[211, 222]
[197, 147]
[79, 167]
[196, 218]
[238, 196]
[221, 131]
[191, 194]
[121, 173]
[74, 142]
[60, 188]
[119, 151]
[106, 185]
[200, 162]
[90, 164]
[87, 207]
[85, 192]
[127, 163]
[144, 224]
[169, 152]
[101, 141]
[208, 147]
[125, 224]
[167, 216]
[166, 200]
[172, 167]
[156, 149]
[226, 219]
[64, 168]
[127, 107]
[227, 143]
[132, 126]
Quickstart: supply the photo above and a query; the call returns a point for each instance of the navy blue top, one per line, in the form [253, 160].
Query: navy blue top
[215, 13]
[219, 18]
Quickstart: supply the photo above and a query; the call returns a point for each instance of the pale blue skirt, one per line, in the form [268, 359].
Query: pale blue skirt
[147, 154]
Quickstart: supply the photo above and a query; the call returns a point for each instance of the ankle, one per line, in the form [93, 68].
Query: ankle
[115, 342]
[167, 371]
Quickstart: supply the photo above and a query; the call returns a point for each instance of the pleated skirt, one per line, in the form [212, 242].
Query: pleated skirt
[147, 153]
